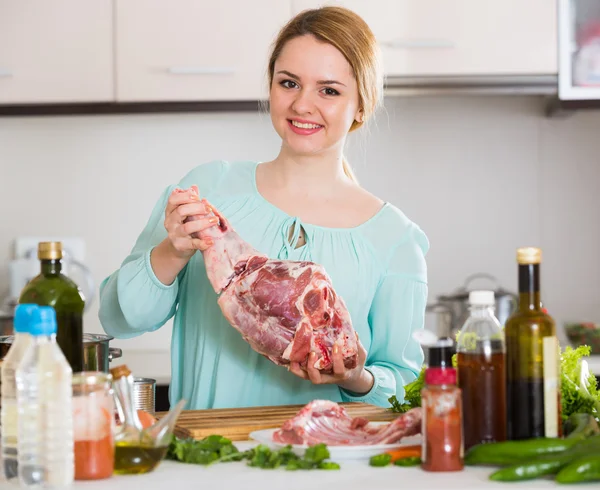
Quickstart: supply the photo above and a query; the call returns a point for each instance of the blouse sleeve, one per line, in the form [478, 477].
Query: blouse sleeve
[132, 299]
[397, 310]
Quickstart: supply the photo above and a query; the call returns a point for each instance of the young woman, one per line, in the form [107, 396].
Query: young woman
[325, 80]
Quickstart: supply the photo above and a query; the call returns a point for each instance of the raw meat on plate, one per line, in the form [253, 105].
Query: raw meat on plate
[323, 421]
[284, 309]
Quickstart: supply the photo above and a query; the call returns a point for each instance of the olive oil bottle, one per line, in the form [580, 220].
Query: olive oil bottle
[532, 359]
[52, 288]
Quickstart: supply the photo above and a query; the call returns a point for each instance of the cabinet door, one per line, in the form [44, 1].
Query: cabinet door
[459, 37]
[190, 50]
[55, 51]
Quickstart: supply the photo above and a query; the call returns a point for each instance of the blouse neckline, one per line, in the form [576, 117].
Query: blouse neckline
[295, 218]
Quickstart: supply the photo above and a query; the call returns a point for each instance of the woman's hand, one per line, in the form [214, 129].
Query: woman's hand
[357, 380]
[181, 206]
[170, 256]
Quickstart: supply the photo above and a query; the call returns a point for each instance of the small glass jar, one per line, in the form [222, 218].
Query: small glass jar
[93, 425]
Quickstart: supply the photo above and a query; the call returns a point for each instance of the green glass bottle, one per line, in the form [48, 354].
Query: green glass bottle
[532, 359]
[52, 288]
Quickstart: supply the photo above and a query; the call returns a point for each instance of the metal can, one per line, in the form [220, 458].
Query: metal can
[93, 425]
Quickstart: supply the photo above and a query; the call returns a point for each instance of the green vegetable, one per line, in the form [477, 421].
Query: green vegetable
[579, 393]
[218, 449]
[410, 461]
[383, 459]
[508, 452]
[546, 464]
[412, 395]
[584, 469]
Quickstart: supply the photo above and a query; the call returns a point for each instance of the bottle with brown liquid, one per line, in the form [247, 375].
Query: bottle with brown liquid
[52, 288]
[481, 372]
[532, 359]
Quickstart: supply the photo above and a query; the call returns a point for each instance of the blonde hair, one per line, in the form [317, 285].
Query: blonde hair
[350, 34]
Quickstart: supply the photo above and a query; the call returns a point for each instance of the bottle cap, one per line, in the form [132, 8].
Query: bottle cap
[50, 251]
[22, 319]
[529, 255]
[482, 298]
[42, 321]
[440, 354]
[120, 371]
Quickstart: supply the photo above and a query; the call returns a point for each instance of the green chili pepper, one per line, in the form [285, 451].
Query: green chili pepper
[380, 459]
[508, 452]
[410, 461]
[584, 469]
[546, 464]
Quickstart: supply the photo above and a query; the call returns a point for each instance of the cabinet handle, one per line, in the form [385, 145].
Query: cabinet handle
[419, 43]
[5, 73]
[200, 70]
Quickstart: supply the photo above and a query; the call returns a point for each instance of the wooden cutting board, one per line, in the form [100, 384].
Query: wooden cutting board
[237, 423]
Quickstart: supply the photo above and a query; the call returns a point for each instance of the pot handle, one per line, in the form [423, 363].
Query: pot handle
[114, 353]
[480, 275]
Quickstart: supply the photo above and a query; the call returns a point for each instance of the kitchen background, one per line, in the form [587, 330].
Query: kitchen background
[481, 174]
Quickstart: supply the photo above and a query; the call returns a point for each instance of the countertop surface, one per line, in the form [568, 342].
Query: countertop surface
[352, 475]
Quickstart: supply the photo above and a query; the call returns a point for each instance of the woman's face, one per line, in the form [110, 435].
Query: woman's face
[313, 97]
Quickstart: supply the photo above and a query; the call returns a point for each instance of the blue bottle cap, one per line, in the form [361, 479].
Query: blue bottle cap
[43, 321]
[22, 318]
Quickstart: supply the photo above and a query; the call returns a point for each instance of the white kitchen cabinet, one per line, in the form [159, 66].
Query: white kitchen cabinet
[55, 51]
[190, 50]
[459, 37]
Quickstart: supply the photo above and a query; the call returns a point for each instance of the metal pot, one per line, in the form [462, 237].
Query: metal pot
[96, 351]
[458, 302]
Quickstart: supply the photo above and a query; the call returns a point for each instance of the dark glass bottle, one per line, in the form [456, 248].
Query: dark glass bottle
[52, 288]
[532, 359]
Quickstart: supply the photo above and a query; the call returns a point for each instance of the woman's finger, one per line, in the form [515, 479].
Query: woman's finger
[295, 368]
[313, 373]
[191, 209]
[197, 225]
[338, 361]
[181, 196]
[201, 245]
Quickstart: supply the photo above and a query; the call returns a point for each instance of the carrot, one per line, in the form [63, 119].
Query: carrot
[404, 452]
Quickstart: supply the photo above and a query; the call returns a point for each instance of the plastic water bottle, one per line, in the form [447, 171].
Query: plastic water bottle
[44, 398]
[9, 414]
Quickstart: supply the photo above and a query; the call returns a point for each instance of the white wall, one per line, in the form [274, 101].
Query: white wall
[482, 176]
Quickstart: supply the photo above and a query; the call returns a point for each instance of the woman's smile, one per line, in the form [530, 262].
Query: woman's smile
[304, 128]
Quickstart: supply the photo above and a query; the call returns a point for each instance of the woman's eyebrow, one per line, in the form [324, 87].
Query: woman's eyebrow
[319, 82]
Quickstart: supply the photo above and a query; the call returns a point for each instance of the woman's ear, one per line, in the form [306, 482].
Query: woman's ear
[360, 116]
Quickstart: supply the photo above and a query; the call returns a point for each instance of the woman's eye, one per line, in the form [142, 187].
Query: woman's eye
[331, 91]
[288, 84]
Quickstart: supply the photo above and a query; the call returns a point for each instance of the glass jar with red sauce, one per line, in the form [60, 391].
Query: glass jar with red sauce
[93, 425]
[441, 402]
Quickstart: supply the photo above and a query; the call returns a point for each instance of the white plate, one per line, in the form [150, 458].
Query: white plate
[337, 452]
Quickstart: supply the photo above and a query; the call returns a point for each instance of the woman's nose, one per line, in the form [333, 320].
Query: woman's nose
[303, 103]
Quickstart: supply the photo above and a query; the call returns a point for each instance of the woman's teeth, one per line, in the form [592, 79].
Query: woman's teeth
[305, 125]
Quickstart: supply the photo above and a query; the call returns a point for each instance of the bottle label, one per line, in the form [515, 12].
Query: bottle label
[551, 395]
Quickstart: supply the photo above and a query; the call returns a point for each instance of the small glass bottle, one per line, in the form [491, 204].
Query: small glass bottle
[93, 425]
[481, 373]
[442, 412]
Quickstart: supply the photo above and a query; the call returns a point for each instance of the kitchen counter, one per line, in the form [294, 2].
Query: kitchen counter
[352, 475]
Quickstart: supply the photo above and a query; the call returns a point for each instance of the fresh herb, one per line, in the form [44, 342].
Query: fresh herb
[218, 449]
[412, 395]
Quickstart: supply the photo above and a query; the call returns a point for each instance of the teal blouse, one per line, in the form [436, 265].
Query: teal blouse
[378, 268]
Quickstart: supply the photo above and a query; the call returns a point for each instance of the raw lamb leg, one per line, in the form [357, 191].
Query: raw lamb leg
[284, 309]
